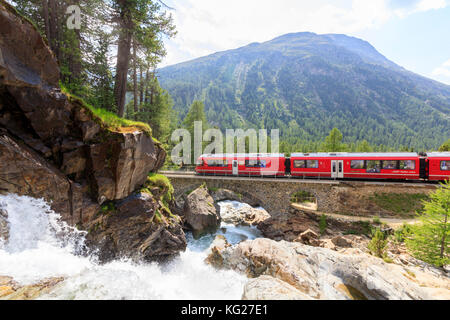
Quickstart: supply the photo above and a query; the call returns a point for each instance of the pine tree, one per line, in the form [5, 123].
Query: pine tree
[429, 240]
[333, 143]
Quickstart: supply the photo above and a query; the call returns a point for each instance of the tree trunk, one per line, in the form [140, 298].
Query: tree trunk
[123, 56]
[135, 84]
[141, 85]
[45, 16]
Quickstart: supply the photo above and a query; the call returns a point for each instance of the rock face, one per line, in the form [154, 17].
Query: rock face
[137, 227]
[270, 288]
[321, 273]
[246, 216]
[201, 214]
[11, 290]
[53, 146]
[59, 129]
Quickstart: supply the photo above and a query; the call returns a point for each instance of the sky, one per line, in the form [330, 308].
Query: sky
[415, 34]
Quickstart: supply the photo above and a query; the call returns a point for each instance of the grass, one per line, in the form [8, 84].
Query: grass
[403, 204]
[107, 119]
[162, 182]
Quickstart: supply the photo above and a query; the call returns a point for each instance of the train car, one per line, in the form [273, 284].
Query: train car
[405, 166]
[438, 165]
[242, 164]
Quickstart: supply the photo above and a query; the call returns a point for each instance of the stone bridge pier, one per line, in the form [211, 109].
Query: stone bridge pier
[274, 195]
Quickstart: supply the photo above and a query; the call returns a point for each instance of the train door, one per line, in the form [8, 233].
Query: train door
[337, 169]
[235, 165]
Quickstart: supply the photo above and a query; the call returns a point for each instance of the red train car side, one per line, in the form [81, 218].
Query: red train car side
[438, 165]
[357, 165]
[242, 164]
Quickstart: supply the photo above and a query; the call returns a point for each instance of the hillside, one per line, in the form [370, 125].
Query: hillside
[305, 84]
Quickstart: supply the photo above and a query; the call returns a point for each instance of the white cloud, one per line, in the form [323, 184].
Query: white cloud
[443, 72]
[208, 26]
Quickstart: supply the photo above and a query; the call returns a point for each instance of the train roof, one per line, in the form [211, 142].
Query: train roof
[241, 155]
[438, 154]
[349, 154]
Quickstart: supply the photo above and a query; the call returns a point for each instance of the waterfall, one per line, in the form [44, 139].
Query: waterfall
[41, 246]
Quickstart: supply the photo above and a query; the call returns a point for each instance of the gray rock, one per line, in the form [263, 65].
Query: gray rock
[326, 274]
[201, 214]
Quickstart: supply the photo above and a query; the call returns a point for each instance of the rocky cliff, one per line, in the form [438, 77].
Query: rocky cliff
[52, 145]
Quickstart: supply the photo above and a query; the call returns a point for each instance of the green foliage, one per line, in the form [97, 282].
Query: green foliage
[323, 224]
[402, 233]
[404, 204]
[333, 142]
[429, 240]
[108, 119]
[445, 146]
[302, 196]
[377, 245]
[156, 112]
[163, 183]
[376, 220]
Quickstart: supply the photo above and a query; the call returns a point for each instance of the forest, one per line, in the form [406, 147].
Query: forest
[112, 60]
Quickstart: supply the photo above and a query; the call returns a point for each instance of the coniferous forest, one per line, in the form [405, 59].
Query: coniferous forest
[304, 84]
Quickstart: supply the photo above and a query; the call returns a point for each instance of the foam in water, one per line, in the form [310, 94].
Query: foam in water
[41, 246]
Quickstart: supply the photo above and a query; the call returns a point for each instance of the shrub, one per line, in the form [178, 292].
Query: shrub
[323, 224]
[430, 239]
[377, 246]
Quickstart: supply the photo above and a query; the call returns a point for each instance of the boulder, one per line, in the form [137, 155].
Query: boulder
[201, 214]
[309, 237]
[219, 244]
[270, 288]
[342, 241]
[245, 215]
[136, 227]
[326, 274]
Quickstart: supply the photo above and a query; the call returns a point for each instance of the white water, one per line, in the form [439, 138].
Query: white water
[41, 246]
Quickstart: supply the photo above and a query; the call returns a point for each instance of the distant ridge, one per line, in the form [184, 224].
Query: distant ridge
[305, 84]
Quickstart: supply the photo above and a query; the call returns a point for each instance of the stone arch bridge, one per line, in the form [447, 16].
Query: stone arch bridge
[275, 194]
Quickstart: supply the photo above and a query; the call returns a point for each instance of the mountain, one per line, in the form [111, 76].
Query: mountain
[305, 84]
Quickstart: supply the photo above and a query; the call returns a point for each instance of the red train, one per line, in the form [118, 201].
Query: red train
[398, 166]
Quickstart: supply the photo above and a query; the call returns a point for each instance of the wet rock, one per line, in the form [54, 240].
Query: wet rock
[201, 213]
[325, 274]
[11, 290]
[136, 227]
[270, 288]
[219, 244]
[4, 225]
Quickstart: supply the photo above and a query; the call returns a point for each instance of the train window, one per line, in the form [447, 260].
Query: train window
[373, 166]
[390, 164]
[357, 164]
[217, 163]
[255, 163]
[407, 165]
[299, 164]
[313, 164]
[445, 165]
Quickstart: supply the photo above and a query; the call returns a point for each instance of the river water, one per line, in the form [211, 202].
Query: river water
[41, 246]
